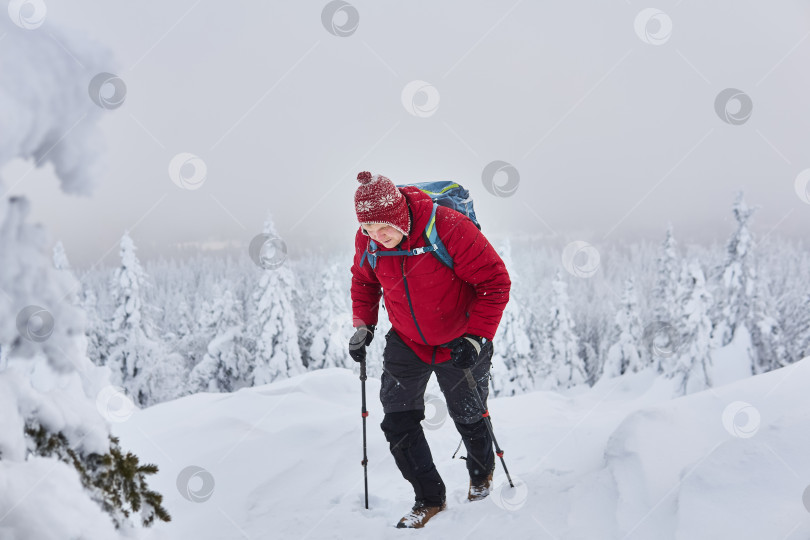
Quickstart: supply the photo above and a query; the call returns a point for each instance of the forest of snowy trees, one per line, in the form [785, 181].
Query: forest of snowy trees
[220, 323]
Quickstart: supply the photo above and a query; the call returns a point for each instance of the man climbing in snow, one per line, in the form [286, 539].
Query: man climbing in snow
[443, 320]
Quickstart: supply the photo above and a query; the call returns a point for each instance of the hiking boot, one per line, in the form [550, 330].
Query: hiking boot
[479, 488]
[419, 515]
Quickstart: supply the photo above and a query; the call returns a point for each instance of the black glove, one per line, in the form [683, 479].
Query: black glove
[466, 350]
[360, 340]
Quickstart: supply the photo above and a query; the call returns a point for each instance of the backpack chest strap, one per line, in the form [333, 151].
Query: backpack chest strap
[372, 253]
[431, 236]
[408, 252]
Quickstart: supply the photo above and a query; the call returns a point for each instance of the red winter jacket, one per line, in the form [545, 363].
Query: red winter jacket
[446, 303]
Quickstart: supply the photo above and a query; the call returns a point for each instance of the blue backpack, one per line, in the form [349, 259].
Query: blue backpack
[443, 193]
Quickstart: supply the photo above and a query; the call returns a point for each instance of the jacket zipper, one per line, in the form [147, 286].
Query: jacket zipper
[410, 304]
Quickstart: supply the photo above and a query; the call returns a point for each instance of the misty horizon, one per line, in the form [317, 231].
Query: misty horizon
[617, 120]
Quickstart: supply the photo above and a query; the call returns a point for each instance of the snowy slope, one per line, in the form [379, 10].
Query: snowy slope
[620, 460]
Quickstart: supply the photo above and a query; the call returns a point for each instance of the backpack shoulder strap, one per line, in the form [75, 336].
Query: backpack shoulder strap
[370, 255]
[434, 245]
[433, 240]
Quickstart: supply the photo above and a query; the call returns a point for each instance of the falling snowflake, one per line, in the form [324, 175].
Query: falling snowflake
[363, 206]
[387, 200]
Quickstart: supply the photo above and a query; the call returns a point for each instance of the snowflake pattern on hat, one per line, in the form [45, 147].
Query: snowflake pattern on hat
[378, 200]
[388, 200]
[363, 206]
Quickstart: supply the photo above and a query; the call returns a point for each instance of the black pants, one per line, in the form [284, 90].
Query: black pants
[404, 379]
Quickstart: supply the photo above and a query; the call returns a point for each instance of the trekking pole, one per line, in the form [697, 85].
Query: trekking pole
[365, 414]
[487, 422]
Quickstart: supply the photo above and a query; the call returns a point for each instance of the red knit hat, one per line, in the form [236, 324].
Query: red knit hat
[378, 200]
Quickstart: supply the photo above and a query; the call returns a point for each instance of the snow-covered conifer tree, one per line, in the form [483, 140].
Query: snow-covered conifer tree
[96, 329]
[661, 333]
[137, 361]
[666, 280]
[767, 335]
[60, 260]
[513, 369]
[691, 367]
[627, 353]
[273, 326]
[799, 344]
[226, 365]
[560, 364]
[329, 319]
[738, 278]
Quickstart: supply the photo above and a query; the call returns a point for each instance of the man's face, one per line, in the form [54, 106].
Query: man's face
[383, 234]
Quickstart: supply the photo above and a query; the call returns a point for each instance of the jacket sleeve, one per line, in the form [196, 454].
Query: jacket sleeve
[476, 262]
[366, 290]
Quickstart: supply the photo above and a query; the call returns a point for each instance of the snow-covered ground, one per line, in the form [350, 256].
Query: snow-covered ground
[619, 460]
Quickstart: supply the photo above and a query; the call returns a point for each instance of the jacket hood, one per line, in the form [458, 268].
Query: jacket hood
[421, 206]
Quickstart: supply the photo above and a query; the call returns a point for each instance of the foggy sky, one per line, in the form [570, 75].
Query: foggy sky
[612, 137]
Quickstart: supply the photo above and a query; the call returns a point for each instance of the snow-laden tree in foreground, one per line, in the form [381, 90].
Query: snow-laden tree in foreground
[61, 473]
